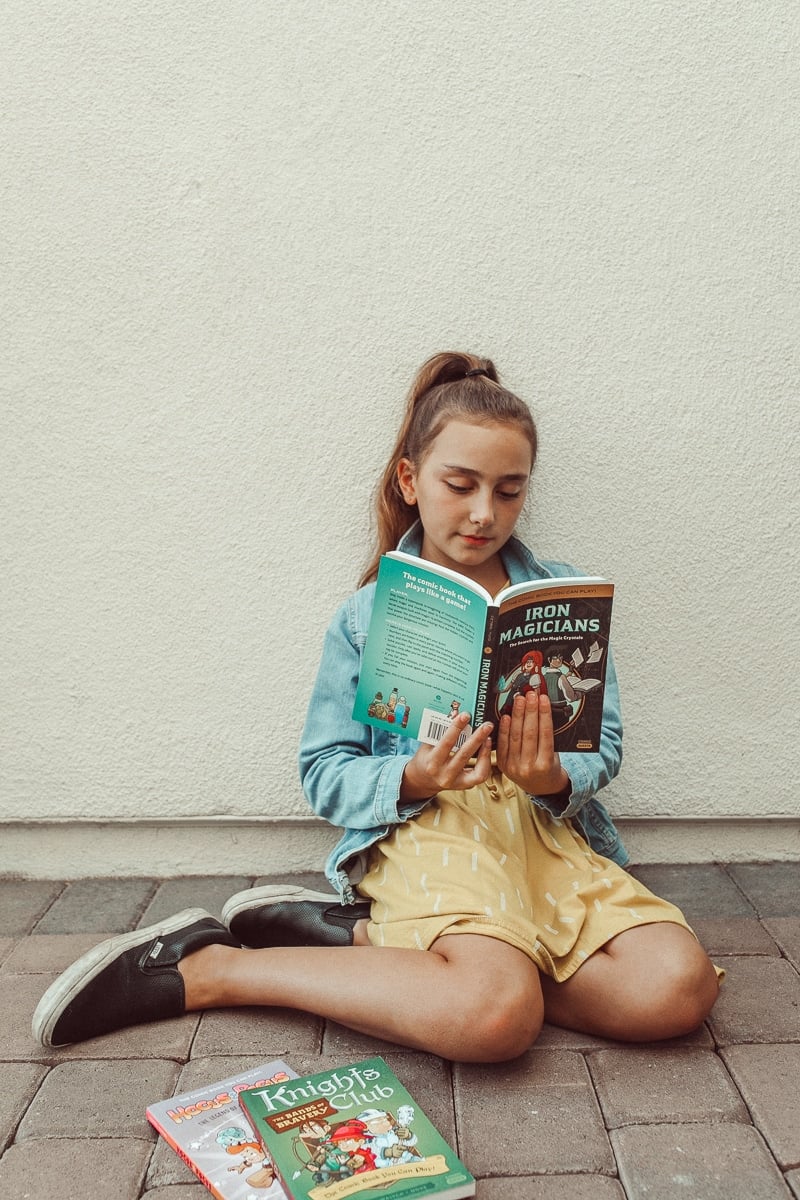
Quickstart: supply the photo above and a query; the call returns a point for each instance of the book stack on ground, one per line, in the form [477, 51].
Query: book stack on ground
[349, 1131]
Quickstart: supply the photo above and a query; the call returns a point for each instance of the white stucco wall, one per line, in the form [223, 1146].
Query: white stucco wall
[231, 232]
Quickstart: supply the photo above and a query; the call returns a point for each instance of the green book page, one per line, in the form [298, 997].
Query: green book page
[423, 653]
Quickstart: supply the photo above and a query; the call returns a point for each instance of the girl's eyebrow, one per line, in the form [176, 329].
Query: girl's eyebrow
[521, 476]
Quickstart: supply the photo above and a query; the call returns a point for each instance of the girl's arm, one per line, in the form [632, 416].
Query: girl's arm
[352, 774]
[344, 780]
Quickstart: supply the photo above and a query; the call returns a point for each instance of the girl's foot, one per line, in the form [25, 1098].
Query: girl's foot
[280, 915]
[127, 980]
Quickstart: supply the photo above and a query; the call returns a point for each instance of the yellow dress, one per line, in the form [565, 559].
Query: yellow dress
[492, 862]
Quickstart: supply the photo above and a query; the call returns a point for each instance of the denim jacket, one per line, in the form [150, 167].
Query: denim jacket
[351, 773]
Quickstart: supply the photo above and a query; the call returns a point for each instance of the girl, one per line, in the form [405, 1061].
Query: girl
[479, 890]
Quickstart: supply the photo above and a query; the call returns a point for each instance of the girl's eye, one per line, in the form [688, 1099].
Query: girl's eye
[509, 495]
[455, 487]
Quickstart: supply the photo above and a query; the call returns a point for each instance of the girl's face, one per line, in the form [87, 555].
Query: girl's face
[469, 489]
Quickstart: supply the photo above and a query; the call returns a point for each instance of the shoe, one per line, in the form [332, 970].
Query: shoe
[128, 980]
[278, 915]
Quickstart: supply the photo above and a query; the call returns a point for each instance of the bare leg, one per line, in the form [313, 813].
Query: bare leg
[646, 984]
[470, 998]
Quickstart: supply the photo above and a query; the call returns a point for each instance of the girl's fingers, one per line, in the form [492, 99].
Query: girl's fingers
[502, 740]
[545, 726]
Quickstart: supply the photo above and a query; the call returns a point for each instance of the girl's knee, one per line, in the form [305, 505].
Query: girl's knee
[690, 990]
[502, 1019]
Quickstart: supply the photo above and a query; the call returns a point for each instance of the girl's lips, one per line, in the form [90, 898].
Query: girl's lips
[475, 541]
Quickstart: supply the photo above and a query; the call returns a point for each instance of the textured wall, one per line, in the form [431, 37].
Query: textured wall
[232, 232]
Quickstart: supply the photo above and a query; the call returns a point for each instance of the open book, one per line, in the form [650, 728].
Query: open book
[439, 644]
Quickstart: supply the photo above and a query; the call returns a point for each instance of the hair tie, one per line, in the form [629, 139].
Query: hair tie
[477, 371]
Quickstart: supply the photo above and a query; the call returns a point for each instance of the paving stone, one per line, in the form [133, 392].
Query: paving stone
[550, 1187]
[553, 1038]
[268, 1032]
[338, 1039]
[429, 1080]
[97, 1100]
[639, 1086]
[185, 1191]
[19, 995]
[759, 1006]
[512, 1116]
[20, 1081]
[46, 953]
[786, 932]
[23, 902]
[767, 1077]
[758, 1002]
[208, 892]
[166, 1169]
[90, 905]
[74, 1169]
[773, 888]
[665, 1161]
[698, 889]
[734, 935]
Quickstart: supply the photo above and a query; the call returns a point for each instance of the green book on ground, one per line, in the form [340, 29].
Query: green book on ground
[353, 1131]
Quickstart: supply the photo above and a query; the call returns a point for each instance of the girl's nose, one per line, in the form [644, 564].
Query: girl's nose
[482, 511]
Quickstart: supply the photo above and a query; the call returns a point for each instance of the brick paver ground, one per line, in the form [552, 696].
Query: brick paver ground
[713, 1115]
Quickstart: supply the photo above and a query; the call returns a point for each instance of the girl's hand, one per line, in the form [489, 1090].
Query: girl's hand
[441, 767]
[525, 750]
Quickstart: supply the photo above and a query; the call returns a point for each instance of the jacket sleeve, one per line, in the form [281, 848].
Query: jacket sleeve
[590, 772]
[344, 779]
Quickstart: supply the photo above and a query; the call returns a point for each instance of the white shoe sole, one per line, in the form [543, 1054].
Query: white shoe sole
[71, 981]
[273, 893]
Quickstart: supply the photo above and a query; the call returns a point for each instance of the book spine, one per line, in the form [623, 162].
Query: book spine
[483, 696]
[181, 1153]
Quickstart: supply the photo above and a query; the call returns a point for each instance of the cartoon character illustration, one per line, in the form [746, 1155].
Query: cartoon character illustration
[455, 708]
[377, 708]
[350, 1139]
[235, 1141]
[317, 1152]
[391, 1139]
[563, 697]
[400, 711]
[526, 678]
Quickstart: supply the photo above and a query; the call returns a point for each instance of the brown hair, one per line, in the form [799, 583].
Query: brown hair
[449, 385]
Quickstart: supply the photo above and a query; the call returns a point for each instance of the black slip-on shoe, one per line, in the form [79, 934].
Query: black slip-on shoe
[280, 915]
[128, 980]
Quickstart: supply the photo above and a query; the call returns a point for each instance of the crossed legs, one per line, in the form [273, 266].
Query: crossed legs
[469, 998]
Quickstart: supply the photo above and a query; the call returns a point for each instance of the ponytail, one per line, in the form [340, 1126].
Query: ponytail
[447, 386]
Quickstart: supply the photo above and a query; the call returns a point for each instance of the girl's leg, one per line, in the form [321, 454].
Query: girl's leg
[470, 998]
[646, 984]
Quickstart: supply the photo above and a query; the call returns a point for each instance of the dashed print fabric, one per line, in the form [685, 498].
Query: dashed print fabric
[490, 861]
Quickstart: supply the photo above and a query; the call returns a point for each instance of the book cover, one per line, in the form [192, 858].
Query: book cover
[439, 644]
[207, 1129]
[354, 1130]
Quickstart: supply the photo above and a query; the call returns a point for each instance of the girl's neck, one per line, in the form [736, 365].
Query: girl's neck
[491, 575]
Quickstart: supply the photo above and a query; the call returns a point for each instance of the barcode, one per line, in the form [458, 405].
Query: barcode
[434, 725]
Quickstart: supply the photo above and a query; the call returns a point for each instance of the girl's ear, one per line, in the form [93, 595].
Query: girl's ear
[406, 476]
